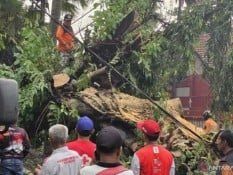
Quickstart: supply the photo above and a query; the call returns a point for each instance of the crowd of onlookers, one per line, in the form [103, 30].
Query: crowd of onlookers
[83, 157]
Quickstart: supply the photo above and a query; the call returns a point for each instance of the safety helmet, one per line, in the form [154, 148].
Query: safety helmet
[68, 17]
[206, 114]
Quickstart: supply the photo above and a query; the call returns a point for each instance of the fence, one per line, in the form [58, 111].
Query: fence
[196, 121]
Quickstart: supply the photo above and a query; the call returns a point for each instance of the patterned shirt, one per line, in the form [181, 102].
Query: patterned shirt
[17, 142]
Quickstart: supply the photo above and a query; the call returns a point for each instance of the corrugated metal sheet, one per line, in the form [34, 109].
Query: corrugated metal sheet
[199, 98]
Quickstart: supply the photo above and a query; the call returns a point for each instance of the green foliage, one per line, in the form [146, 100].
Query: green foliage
[2, 37]
[56, 113]
[136, 67]
[11, 20]
[146, 66]
[181, 36]
[60, 113]
[6, 72]
[106, 20]
[194, 156]
[220, 55]
[83, 82]
[164, 55]
[36, 62]
[38, 48]
[11, 12]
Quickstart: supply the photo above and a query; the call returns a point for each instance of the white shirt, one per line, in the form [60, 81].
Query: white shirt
[94, 169]
[62, 162]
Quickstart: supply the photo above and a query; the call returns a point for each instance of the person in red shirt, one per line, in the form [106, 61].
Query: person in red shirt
[152, 159]
[83, 145]
[65, 37]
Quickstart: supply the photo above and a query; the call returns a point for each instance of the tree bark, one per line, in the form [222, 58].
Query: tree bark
[56, 13]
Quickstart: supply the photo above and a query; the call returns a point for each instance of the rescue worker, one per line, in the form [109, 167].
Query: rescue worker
[65, 37]
[152, 159]
[83, 146]
[108, 152]
[209, 123]
[225, 146]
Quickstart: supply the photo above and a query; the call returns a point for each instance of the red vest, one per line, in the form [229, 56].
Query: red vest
[84, 148]
[154, 160]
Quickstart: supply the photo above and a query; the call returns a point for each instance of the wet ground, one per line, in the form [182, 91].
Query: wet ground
[32, 160]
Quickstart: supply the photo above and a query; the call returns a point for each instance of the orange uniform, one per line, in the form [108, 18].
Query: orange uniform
[65, 38]
[210, 125]
[226, 170]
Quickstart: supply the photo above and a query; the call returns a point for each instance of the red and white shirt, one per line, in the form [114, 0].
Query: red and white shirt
[61, 162]
[84, 148]
[153, 160]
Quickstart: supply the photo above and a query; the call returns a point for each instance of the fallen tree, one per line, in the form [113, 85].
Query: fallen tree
[127, 108]
[110, 107]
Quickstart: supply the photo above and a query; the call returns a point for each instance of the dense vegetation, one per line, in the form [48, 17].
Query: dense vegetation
[28, 52]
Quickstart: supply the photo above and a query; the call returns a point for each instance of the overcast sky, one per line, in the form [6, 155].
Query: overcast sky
[166, 6]
[77, 25]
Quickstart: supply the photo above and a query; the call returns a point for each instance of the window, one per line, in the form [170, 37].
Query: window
[183, 92]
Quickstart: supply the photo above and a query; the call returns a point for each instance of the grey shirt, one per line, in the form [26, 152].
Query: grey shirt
[62, 162]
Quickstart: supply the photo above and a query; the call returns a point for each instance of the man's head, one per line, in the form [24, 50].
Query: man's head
[84, 126]
[206, 114]
[225, 141]
[68, 18]
[150, 128]
[108, 140]
[58, 135]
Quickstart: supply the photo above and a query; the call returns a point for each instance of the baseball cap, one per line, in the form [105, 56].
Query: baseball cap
[108, 139]
[84, 124]
[68, 17]
[149, 127]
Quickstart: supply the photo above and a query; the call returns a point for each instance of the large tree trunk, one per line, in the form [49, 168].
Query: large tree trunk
[116, 106]
[109, 107]
[56, 13]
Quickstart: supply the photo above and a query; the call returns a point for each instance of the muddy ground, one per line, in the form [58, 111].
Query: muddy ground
[34, 158]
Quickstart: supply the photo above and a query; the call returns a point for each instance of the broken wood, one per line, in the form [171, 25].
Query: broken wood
[132, 109]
